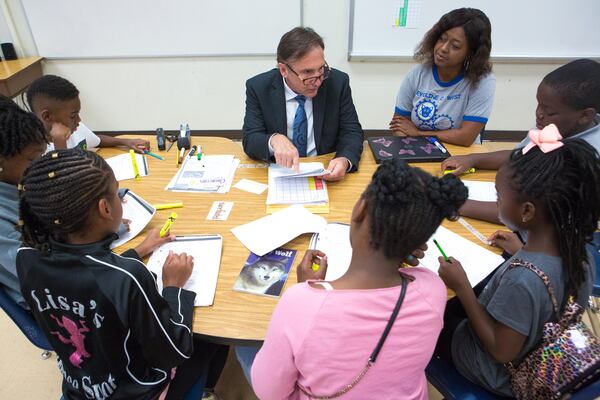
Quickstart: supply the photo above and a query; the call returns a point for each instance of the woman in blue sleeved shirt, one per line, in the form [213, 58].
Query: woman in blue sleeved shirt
[451, 91]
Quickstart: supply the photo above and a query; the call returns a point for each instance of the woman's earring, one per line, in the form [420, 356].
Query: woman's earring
[1, 169]
[466, 65]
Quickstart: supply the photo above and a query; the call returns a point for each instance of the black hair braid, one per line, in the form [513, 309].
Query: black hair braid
[18, 129]
[448, 193]
[57, 193]
[53, 87]
[401, 210]
[565, 184]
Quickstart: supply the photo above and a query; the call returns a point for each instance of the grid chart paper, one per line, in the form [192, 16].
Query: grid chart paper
[304, 190]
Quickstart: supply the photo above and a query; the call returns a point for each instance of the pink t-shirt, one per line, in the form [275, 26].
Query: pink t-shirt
[321, 339]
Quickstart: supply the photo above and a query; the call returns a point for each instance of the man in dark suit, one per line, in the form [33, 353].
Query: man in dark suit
[302, 108]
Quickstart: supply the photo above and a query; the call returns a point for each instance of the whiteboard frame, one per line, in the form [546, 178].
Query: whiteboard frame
[140, 57]
[498, 59]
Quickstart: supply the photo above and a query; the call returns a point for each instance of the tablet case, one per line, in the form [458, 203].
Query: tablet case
[410, 149]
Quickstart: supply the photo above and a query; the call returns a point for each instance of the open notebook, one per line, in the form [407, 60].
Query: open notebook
[206, 251]
[477, 261]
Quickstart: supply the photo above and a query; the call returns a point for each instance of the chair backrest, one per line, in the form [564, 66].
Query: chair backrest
[24, 320]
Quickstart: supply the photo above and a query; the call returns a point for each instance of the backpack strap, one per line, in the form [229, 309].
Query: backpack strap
[520, 263]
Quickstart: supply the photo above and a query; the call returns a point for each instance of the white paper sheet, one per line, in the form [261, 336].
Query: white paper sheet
[251, 186]
[139, 212]
[334, 241]
[477, 261]
[305, 169]
[123, 167]
[275, 230]
[206, 251]
[481, 191]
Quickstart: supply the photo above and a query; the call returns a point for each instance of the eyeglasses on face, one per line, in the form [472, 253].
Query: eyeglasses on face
[324, 72]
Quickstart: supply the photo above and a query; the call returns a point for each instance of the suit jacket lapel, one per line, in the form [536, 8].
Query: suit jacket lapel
[278, 104]
[319, 113]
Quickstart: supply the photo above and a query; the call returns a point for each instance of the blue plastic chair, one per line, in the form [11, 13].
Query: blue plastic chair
[595, 249]
[453, 386]
[25, 322]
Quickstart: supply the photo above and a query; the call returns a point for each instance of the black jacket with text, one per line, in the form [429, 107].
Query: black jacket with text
[113, 332]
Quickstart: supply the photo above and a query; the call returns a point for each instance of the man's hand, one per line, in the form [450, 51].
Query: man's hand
[286, 154]
[337, 169]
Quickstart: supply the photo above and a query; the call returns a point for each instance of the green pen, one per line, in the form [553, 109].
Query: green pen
[441, 251]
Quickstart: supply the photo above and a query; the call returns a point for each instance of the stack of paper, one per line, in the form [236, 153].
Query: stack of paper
[304, 187]
[210, 174]
[206, 251]
[122, 166]
[138, 212]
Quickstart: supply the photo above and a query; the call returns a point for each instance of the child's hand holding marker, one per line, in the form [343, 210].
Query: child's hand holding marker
[452, 272]
[312, 266]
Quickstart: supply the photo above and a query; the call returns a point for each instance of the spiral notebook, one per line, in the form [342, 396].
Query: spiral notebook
[410, 149]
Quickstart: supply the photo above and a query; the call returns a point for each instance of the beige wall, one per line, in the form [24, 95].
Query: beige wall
[208, 93]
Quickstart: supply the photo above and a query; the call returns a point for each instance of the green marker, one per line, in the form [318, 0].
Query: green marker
[441, 251]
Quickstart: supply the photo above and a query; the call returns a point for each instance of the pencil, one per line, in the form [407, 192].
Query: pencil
[440, 249]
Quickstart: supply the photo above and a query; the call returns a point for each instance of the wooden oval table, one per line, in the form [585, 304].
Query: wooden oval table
[237, 317]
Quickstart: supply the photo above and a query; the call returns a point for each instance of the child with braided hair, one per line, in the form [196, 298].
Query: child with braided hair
[551, 190]
[56, 102]
[114, 333]
[22, 139]
[321, 333]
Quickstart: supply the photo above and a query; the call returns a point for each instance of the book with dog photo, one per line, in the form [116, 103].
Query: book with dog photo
[265, 275]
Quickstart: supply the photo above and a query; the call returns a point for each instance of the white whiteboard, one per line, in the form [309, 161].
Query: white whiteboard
[151, 28]
[521, 29]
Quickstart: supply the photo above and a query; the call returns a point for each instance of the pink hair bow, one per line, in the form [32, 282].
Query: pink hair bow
[548, 139]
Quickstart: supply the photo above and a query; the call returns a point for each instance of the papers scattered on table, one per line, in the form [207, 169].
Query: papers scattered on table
[210, 174]
[123, 168]
[206, 251]
[481, 191]
[251, 186]
[305, 187]
[334, 241]
[273, 231]
[477, 261]
[139, 212]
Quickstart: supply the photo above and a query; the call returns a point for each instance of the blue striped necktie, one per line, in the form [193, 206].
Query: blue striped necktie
[300, 128]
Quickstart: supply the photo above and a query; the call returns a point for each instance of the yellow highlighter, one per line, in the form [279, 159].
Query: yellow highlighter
[167, 226]
[451, 171]
[166, 206]
[136, 171]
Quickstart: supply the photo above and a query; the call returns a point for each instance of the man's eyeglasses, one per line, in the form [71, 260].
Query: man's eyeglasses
[324, 72]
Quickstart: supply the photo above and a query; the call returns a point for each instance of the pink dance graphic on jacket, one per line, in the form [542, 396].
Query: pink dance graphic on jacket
[75, 339]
